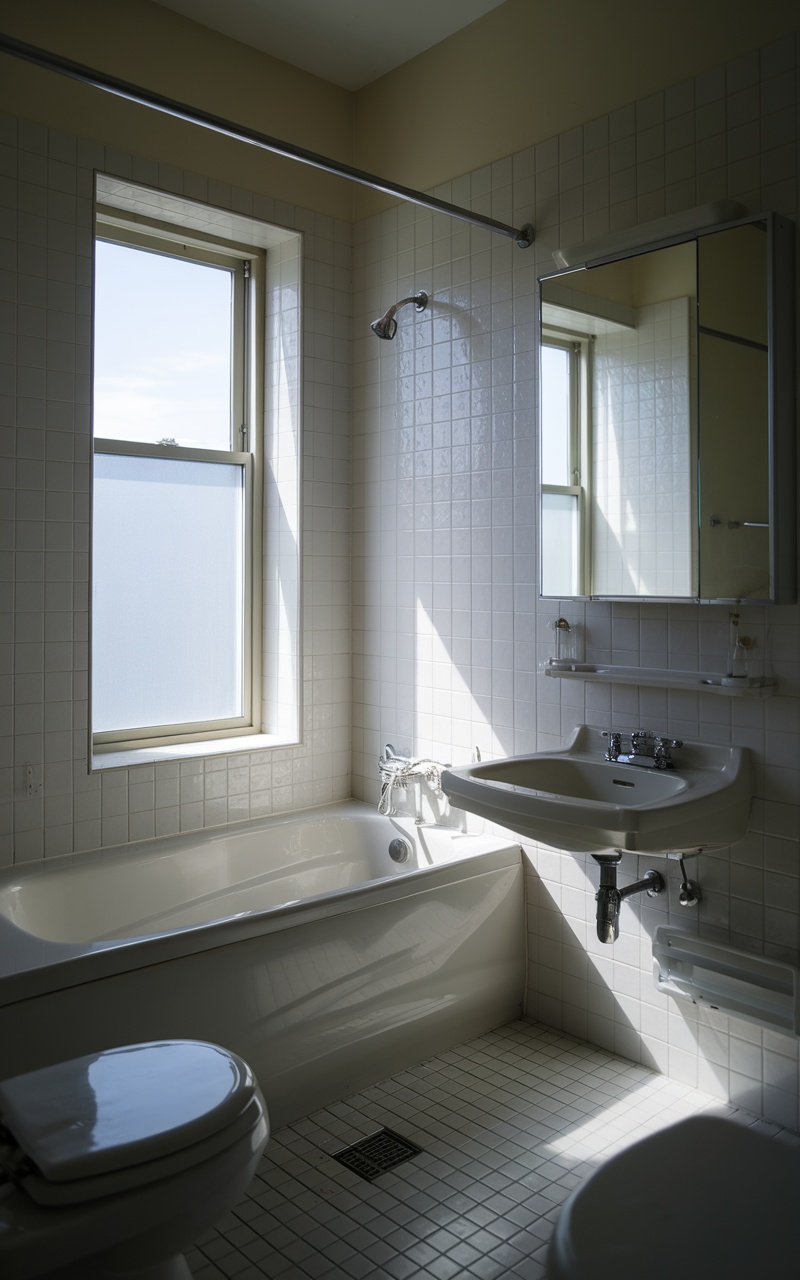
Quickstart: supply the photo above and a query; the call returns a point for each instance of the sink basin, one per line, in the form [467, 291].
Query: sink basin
[574, 799]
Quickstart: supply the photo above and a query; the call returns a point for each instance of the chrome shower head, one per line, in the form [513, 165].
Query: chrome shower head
[386, 327]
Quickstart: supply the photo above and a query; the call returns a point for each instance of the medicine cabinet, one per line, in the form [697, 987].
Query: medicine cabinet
[667, 420]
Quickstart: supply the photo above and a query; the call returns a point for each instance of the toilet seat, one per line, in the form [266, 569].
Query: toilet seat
[705, 1197]
[108, 1122]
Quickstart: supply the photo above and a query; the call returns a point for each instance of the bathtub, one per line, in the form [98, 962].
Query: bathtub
[296, 941]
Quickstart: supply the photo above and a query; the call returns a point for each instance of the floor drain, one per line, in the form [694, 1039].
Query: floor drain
[377, 1154]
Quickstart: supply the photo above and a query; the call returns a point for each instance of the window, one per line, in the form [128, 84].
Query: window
[563, 446]
[176, 639]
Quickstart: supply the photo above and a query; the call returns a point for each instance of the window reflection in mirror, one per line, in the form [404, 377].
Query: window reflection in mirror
[562, 498]
[655, 432]
[629, 326]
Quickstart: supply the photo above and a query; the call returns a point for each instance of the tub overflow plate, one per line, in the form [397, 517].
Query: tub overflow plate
[399, 850]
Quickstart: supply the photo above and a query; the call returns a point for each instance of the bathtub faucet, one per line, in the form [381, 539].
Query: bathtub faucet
[397, 770]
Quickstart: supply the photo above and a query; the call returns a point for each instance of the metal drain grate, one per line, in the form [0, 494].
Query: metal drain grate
[377, 1154]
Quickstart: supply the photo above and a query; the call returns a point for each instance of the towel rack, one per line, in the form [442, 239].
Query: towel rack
[717, 976]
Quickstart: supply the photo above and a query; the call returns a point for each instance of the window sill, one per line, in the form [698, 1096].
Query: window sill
[188, 751]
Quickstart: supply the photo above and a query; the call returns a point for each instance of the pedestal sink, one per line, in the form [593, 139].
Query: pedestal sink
[574, 799]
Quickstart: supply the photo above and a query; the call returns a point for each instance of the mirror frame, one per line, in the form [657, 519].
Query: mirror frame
[782, 427]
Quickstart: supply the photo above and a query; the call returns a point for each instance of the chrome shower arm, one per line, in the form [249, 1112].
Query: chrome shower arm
[420, 301]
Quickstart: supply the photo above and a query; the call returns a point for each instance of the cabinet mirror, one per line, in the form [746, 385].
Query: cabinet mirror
[667, 421]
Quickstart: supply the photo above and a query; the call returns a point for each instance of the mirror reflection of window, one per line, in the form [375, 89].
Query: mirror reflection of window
[561, 496]
[642, 456]
[633, 459]
[668, 422]
[558, 408]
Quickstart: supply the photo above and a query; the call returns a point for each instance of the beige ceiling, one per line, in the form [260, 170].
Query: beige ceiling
[348, 42]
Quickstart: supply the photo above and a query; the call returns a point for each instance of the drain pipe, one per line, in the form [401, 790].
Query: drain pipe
[609, 898]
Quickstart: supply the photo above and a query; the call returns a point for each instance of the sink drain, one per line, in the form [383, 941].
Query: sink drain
[377, 1154]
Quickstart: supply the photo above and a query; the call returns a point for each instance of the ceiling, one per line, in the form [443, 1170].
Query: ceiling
[348, 42]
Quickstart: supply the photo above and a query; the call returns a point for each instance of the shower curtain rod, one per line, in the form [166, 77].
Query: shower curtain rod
[194, 115]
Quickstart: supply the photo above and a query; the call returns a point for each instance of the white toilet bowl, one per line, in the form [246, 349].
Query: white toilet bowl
[120, 1159]
[706, 1198]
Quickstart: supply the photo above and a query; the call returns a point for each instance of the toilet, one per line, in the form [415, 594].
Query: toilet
[117, 1161]
[705, 1198]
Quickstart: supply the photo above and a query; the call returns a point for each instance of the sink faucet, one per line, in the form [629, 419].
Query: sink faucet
[643, 747]
[614, 744]
[647, 750]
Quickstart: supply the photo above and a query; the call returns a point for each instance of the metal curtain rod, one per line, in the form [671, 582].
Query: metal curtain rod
[194, 115]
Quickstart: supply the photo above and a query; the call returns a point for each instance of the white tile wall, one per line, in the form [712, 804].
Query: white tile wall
[448, 630]
[46, 190]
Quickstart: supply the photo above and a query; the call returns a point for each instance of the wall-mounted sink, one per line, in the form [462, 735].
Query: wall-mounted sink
[574, 799]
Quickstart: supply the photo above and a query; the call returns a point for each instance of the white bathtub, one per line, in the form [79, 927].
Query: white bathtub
[296, 941]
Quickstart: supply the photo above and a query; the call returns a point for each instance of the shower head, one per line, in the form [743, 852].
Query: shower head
[386, 327]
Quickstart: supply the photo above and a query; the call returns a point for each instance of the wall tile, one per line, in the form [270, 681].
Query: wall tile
[46, 301]
[443, 686]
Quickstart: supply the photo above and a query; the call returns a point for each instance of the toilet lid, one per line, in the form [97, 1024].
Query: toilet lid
[124, 1107]
[705, 1197]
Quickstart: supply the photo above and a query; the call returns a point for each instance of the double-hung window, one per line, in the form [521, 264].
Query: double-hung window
[176, 497]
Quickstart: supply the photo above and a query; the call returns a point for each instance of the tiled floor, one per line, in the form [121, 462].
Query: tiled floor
[508, 1124]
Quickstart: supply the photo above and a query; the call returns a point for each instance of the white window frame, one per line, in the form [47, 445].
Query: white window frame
[247, 382]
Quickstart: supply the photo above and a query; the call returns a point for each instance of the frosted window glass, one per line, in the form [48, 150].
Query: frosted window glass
[556, 417]
[162, 348]
[559, 544]
[168, 592]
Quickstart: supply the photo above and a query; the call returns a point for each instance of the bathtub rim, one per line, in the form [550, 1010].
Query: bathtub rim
[208, 835]
[51, 966]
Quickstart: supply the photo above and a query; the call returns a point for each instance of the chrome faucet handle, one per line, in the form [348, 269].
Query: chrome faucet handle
[663, 747]
[614, 744]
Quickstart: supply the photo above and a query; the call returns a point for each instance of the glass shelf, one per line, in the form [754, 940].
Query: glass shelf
[661, 678]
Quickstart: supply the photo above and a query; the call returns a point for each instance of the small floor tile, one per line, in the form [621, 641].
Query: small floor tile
[509, 1123]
